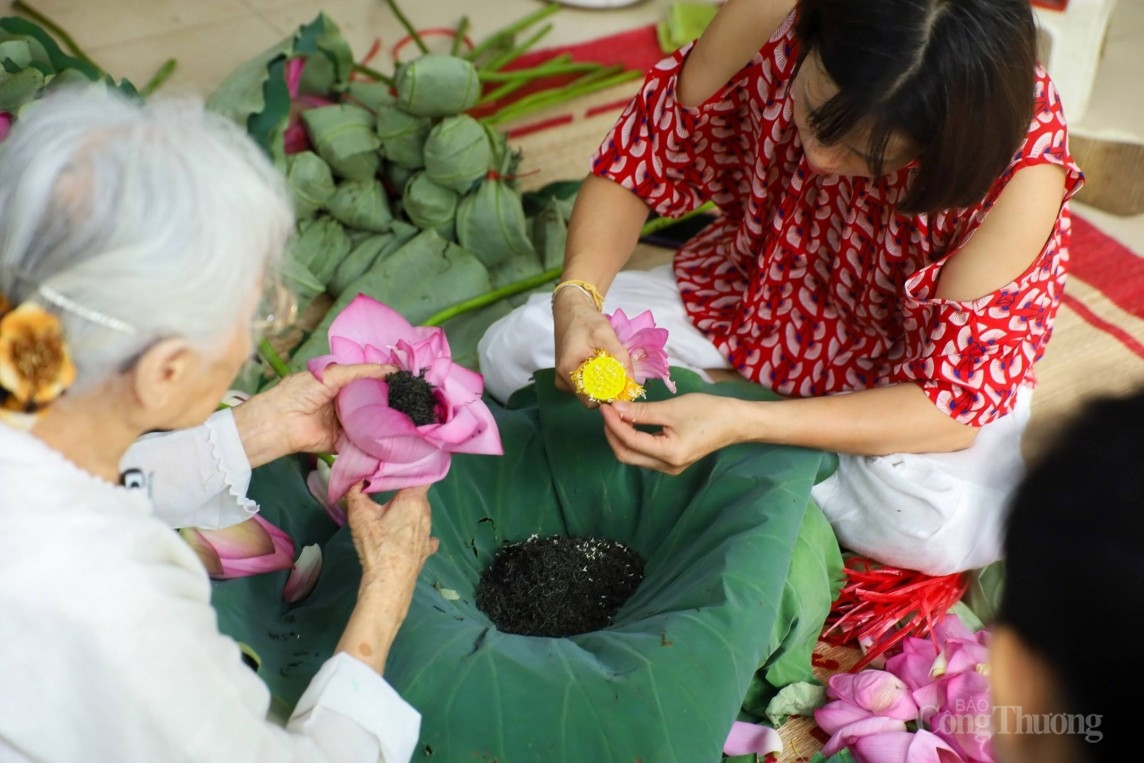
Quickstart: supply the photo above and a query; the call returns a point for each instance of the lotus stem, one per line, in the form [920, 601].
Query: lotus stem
[498, 39]
[55, 29]
[271, 356]
[589, 83]
[506, 58]
[159, 77]
[556, 66]
[512, 85]
[525, 284]
[409, 28]
[459, 37]
[373, 74]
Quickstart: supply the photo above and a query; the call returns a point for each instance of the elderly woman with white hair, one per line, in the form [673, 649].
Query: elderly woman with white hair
[135, 245]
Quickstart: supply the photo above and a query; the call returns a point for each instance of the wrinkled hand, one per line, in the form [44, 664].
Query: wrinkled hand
[392, 541]
[297, 415]
[690, 427]
[581, 330]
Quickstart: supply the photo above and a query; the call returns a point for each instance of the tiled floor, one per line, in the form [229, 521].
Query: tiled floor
[209, 38]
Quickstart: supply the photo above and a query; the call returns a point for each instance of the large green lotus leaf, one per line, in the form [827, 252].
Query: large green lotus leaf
[726, 543]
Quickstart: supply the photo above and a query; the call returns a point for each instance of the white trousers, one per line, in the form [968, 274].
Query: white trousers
[937, 513]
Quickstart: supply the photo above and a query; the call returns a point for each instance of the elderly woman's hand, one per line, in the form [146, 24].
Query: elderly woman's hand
[392, 542]
[297, 415]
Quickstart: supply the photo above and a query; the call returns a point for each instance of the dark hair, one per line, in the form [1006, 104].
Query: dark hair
[955, 77]
[1074, 567]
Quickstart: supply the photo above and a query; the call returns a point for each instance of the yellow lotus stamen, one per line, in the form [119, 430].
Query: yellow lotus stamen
[602, 378]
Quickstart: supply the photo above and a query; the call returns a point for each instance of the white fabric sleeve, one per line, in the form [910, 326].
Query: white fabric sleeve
[347, 708]
[196, 477]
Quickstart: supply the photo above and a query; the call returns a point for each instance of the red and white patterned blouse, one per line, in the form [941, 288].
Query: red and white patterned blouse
[813, 284]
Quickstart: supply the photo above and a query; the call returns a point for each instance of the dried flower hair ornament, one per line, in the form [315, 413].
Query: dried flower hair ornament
[35, 362]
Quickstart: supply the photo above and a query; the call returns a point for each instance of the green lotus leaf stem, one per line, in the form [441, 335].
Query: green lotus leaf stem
[662, 222]
[159, 77]
[590, 83]
[506, 58]
[55, 29]
[525, 284]
[557, 66]
[271, 356]
[373, 74]
[409, 28]
[459, 36]
[500, 38]
[327, 457]
[495, 295]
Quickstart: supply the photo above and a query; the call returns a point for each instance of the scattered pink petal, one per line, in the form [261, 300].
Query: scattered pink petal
[247, 548]
[304, 576]
[318, 483]
[748, 738]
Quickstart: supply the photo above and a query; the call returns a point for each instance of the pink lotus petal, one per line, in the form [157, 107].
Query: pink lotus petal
[245, 539]
[349, 352]
[318, 365]
[965, 656]
[385, 434]
[281, 559]
[456, 382]
[5, 124]
[472, 429]
[839, 714]
[350, 467]
[748, 738]
[846, 735]
[394, 476]
[367, 321]
[207, 555]
[293, 73]
[913, 665]
[902, 747]
[880, 692]
[318, 483]
[304, 576]
[295, 140]
[645, 345]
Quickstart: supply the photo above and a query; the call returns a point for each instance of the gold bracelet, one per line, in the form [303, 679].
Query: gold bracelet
[589, 290]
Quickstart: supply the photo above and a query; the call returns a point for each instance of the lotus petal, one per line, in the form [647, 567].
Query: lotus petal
[305, 574]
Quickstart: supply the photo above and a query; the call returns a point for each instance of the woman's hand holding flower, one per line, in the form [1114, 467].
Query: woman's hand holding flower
[581, 331]
[297, 415]
[690, 427]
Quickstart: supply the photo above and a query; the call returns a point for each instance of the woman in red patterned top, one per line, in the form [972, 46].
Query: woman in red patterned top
[892, 177]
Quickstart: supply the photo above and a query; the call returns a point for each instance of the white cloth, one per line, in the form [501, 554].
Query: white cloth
[933, 512]
[110, 650]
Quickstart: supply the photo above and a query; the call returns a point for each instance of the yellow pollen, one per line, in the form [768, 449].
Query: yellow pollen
[602, 378]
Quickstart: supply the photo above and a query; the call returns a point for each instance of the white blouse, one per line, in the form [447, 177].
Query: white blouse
[109, 647]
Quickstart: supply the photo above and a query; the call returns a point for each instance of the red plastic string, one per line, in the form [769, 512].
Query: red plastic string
[884, 605]
[432, 32]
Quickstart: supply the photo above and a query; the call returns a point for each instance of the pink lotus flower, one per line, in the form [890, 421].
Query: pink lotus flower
[868, 702]
[903, 747]
[247, 548]
[402, 431]
[958, 709]
[645, 345]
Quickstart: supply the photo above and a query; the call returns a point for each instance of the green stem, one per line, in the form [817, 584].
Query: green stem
[506, 58]
[540, 279]
[587, 84]
[159, 77]
[459, 36]
[409, 28]
[497, 39]
[373, 74]
[55, 29]
[271, 356]
[512, 86]
[327, 457]
[493, 296]
[559, 65]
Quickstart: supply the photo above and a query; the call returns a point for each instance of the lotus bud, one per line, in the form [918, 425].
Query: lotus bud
[247, 548]
[458, 153]
[345, 137]
[430, 205]
[437, 86]
[402, 136]
[361, 204]
[320, 245]
[371, 95]
[491, 223]
[310, 181]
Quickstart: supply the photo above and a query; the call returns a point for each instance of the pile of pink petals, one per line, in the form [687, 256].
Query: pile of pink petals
[939, 686]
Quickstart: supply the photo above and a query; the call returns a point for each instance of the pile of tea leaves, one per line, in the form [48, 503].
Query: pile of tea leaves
[558, 586]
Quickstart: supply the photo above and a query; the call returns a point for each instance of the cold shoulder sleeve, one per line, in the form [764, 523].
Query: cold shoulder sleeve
[971, 357]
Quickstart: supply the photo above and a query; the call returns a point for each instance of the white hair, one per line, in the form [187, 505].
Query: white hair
[161, 217]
